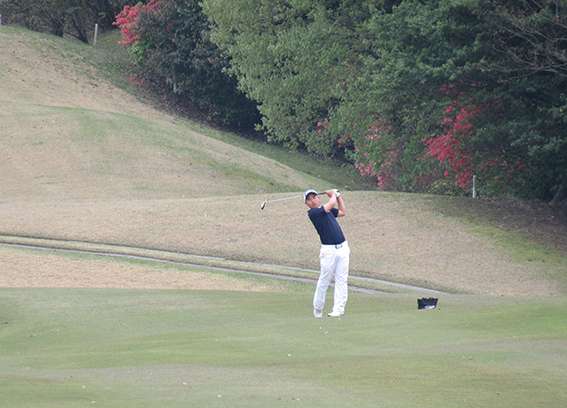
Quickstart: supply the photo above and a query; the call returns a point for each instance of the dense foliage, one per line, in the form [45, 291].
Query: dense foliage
[423, 95]
[171, 38]
[59, 17]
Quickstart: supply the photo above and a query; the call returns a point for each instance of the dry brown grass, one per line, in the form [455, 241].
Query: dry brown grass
[83, 160]
[390, 236]
[29, 269]
[68, 134]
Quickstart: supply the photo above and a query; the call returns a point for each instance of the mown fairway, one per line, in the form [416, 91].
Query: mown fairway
[86, 163]
[130, 348]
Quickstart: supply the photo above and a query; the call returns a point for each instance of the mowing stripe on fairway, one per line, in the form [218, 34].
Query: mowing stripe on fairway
[176, 349]
[163, 256]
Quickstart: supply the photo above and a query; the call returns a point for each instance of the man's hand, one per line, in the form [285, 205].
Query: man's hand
[334, 195]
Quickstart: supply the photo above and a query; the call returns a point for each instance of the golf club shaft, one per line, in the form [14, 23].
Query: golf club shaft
[282, 199]
[279, 199]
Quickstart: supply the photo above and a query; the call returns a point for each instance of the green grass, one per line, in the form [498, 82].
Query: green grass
[118, 173]
[114, 63]
[529, 237]
[131, 348]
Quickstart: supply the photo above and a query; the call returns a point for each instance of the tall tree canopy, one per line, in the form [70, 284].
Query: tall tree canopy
[423, 95]
[171, 37]
[287, 56]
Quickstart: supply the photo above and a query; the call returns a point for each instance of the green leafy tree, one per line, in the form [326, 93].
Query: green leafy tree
[439, 97]
[421, 95]
[289, 56]
[530, 38]
[171, 37]
[394, 99]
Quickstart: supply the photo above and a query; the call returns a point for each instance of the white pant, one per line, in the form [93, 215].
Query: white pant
[334, 261]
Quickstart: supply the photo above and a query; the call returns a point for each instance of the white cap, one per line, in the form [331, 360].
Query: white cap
[309, 192]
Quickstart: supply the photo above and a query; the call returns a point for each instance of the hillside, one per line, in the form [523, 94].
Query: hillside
[71, 134]
[83, 159]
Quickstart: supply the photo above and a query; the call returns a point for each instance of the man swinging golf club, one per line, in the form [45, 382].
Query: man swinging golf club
[334, 254]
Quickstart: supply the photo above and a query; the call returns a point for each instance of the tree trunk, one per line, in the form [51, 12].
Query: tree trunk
[57, 27]
[561, 194]
[78, 23]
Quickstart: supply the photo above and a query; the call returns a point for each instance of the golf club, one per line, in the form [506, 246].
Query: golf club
[279, 199]
[290, 198]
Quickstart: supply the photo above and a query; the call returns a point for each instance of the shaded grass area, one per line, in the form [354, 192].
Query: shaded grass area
[131, 348]
[535, 223]
[532, 233]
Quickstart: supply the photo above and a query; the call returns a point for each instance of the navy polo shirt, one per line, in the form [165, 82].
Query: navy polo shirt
[326, 225]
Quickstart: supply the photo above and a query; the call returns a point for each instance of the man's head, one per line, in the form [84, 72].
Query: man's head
[311, 198]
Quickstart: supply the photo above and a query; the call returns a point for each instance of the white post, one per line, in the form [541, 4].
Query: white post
[95, 33]
[473, 186]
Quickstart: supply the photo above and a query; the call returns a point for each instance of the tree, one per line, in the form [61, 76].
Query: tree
[422, 95]
[106, 10]
[62, 17]
[395, 99]
[436, 86]
[22, 12]
[289, 56]
[171, 37]
[530, 36]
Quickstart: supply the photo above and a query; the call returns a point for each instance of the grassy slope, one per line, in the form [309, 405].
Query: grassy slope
[71, 135]
[84, 159]
[130, 348]
[78, 127]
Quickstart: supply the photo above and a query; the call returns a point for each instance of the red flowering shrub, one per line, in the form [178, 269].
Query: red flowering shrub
[127, 20]
[456, 148]
[401, 160]
[374, 153]
[449, 146]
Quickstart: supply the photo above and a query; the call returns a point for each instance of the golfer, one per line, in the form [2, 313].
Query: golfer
[335, 252]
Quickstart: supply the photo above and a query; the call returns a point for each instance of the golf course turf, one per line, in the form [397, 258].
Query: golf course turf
[147, 348]
[85, 160]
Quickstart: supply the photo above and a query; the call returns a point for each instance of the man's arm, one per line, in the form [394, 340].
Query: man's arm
[342, 208]
[333, 201]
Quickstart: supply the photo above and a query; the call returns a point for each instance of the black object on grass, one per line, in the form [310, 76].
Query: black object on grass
[424, 303]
